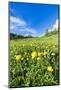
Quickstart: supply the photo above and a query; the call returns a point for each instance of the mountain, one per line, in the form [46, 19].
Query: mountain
[15, 36]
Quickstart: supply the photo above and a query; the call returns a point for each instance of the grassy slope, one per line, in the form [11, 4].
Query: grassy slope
[51, 39]
[30, 65]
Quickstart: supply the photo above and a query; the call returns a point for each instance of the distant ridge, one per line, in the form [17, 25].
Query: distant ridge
[15, 36]
[52, 33]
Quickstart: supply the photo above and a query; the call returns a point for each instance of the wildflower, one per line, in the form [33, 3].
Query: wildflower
[50, 69]
[34, 54]
[53, 54]
[31, 44]
[46, 46]
[38, 58]
[54, 46]
[40, 53]
[23, 45]
[18, 57]
[45, 53]
[11, 51]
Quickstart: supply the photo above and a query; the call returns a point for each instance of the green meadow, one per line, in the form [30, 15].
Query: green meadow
[34, 61]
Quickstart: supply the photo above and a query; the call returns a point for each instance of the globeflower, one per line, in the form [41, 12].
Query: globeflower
[50, 69]
[34, 54]
[18, 57]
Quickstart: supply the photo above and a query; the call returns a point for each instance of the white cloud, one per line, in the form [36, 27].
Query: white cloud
[55, 26]
[17, 21]
[19, 26]
[31, 30]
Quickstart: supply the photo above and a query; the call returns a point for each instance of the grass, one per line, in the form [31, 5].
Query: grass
[50, 39]
[34, 61]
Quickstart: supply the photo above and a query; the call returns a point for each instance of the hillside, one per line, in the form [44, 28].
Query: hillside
[34, 60]
[52, 37]
[15, 36]
[52, 33]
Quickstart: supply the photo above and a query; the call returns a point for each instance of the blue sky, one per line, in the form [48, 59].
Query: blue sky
[32, 19]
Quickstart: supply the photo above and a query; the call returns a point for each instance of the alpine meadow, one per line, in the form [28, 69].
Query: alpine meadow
[34, 50]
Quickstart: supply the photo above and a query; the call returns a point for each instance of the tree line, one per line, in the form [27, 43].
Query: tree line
[15, 36]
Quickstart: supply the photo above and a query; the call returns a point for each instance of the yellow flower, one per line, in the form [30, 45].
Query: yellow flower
[45, 53]
[34, 54]
[50, 69]
[38, 58]
[53, 54]
[31, 44]
[23, 45]
[46, 46]
[40, 53]
[18, 57]
[54, 46]
[11, 51]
